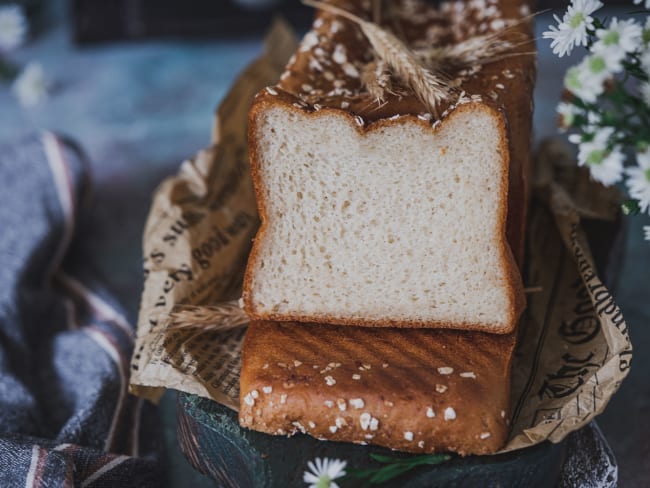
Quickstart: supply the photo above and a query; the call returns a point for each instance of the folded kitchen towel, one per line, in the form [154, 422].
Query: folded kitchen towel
[66, 418]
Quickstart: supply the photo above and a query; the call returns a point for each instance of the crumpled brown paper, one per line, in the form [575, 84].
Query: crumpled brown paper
[573, 351]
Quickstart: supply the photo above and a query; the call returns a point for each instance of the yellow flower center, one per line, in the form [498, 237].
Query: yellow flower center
[576, 20]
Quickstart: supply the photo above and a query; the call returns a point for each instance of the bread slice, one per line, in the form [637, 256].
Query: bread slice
[417, 390]
[379, 215]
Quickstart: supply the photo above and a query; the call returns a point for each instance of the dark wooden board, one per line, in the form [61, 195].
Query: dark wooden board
[213, 442]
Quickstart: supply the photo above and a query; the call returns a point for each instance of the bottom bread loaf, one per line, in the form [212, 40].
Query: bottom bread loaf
[412, 390]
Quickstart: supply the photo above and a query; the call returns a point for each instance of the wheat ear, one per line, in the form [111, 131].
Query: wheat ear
[430, 88]
[221, 317]
[376, 78]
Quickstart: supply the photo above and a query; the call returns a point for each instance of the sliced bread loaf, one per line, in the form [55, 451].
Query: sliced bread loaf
[384, 214]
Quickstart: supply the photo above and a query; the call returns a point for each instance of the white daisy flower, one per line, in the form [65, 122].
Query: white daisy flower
[625, 35]
[616, 41]
[609, 169]
[645, 60]
[323, 472]
[31, 87]
[605, 165]
[13, 27]
[587, 79]
[638, 180]
[572, 29]
[644, 88]
[646, 231]
[568, 113]
[645, 33]
[646, 2]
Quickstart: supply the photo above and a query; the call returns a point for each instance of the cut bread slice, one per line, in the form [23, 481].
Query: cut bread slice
[384, 214]
[399, 224]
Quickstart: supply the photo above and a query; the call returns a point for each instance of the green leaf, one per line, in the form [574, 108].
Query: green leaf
[394, 467]
[631, 207]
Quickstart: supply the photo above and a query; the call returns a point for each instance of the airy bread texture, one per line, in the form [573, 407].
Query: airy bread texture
[397, 225]
[381, 214]
[413, 390]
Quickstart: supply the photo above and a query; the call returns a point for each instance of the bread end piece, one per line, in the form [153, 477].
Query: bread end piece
[419, 391]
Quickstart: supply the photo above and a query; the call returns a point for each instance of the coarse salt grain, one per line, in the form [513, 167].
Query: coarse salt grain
[357, 403]
[430, 412]
[340, 422]
[364, 420]
[484, 435]
[441, 388]
[329, 403]
[311, 424]
[468, 374]
[248, 400]
[356, 376]
[350, 70]
[345, 104]
[374, 423]
[342, 404]
[310, 40]
[421, 444]
[267, 389]
[408, 436]
[297, 363]
[271, 91]
[445, 370]
[283, 398]
[330, 381]
[255, 394]
[339, 56]
[333, 429]
[450, 413]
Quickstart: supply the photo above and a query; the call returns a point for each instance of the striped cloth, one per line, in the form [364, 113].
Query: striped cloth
[66, 418]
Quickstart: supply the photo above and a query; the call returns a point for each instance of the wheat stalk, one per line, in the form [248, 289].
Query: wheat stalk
[375, 76]
[430, 88]
[221, 317]
[475, 51]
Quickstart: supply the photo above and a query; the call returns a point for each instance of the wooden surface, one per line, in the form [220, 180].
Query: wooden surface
[210, 437]
[139, 110]
[213, 442]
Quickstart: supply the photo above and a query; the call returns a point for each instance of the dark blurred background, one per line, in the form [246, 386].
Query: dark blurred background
[140, 108]
[106, 20]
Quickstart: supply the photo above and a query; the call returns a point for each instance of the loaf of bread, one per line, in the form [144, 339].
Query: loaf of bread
[380, 213]
[416, 390]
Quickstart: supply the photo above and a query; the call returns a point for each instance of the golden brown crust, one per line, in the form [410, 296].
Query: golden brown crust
[504, 86]
[331, 382]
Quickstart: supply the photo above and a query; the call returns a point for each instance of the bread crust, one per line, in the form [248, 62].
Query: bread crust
[321, 379]
[514, 112]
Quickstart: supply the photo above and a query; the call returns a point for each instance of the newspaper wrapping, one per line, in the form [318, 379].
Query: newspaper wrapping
[574, 349]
